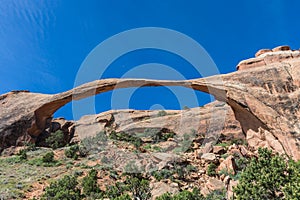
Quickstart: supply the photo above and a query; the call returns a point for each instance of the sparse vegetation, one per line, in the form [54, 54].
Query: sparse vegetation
[185, 142]
[163, 174]
[186, 108]
[23, 154]
[56, 140]
[269, 177]
[48, 157]
[89, 184]
[72, 151]
[183, 195]
[126, 137]
[161, 113]
[211, 169]
[139, 187]
[65, 188]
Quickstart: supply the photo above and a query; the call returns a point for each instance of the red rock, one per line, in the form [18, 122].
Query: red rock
[264, 99]
[281, 48]
[215, 184]
[219, 150]
[230, 187]
[262, 51]
[228, 165]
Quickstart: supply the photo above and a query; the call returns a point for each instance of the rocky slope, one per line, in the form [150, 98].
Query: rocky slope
[257, 106]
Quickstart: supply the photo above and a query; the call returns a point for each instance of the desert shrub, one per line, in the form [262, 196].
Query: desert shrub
[183, 195]
[269, 177]
[216, 195]
[23, 154]
[83, 151]
[211, 169]
[180, 171]
[186, 108]
[131, 169]
[158, 135]
[30, 146]
[89, 183]
[126, 137]
[56, 140]
[48, 157]
[139, 187]
[93, 144]
[134, 187]
[239, 141]
[241, 162]
[71, 152]
[185, 142]
[162, 174]
[191, 168]
[65, 188]
[123, 197]
[115, 191]
[161, 113]
[291, 189]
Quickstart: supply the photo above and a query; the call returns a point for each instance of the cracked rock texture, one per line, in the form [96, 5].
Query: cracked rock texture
[262, 104]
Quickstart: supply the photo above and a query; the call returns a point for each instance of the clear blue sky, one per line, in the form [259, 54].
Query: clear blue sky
[43, 43]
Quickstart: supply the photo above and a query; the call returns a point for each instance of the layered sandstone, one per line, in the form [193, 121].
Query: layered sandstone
[263, 95]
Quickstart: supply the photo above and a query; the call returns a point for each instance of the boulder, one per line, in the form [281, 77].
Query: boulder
[159, 188]
[209, 157]
[214, 184]
[228, 165]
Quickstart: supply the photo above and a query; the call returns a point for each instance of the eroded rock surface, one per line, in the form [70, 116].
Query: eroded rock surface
[263, 95]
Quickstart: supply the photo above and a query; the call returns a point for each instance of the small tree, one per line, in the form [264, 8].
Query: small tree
[48, 157]
[89, 183]
[65, 188]
[183, 195]
[71, 152]
[56, 140]
[23, 154]
[139, 188]
[269, 177]
[211, 169]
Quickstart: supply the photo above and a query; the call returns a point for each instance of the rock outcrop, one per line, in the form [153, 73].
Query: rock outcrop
[263, 95]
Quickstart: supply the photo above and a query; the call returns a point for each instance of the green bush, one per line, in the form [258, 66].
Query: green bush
[115, 191]
[89, 183]
[183, 195]
[161, 113]
[71, 152]
[30, 146]
[123, 197]
[48, 157]
[162, 174]
[23, 154]
[65, 188]
[136, 186]
[126, 137]
[211, 169]
[93, 144]
[217, 195]
[291, 189]
[56, 140]
[139, 188]
[269, 177]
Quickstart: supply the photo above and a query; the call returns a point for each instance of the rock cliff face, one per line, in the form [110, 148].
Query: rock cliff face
[263, 96]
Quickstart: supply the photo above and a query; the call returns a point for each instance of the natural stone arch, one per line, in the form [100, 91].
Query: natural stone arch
[46, 110]
[264, 98]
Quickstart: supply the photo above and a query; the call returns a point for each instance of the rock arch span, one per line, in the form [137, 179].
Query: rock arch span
[264, 98]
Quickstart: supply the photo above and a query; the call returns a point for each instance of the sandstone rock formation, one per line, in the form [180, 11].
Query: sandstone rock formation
[263, 95]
